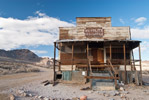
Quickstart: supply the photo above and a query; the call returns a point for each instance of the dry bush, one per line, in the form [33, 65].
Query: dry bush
[21, 70]
[5, 72]
[145, 72]
[33, 70]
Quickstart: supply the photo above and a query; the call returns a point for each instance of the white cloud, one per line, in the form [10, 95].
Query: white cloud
[144, 51]
[40, 30]
[140, 20]
[40, 14]
[140, 33]
[122, 21]
[39, 51]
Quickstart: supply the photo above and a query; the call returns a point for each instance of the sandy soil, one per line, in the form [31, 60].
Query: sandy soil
[13, 80]
[31, 82]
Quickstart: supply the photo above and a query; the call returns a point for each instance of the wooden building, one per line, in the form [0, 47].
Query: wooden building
[93, 48]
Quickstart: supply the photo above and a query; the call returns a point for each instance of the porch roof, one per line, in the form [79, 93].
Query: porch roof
[130, 43]
[95, 40]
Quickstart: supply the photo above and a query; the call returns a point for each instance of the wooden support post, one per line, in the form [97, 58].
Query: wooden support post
[54, 77]
[110, 52]
[134, 67]
[87, 49]
[124, 47]
[59, 66]
[72, 57]
[131, 60]
[140, 63]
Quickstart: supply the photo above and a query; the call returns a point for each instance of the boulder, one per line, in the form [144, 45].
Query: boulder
[84, 97]
[12, 97]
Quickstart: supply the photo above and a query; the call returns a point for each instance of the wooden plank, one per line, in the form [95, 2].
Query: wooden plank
[54, 76]
[112, 67]
[110, 52]
[140, 64]
[72, 56]
[100, 66]
[125, 62]
[87, 48]
[100, 77]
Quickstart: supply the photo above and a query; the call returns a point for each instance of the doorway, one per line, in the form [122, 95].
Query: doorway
[98, 55]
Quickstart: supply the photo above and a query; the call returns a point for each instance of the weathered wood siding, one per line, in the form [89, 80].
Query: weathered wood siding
[110, 33]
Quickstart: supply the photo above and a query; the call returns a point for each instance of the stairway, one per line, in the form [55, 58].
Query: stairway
[102, 84]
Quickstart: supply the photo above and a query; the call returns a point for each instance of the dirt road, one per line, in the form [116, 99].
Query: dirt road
[13, 80]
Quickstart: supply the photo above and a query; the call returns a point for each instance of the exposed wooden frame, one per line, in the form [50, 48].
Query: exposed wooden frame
[87, 55]
[124, 48]
[140, 63]
[110, 51]
[100, 77]
[54, 76]
[72, 59]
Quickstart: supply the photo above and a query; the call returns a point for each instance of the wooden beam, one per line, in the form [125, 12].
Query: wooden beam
[96, 66]
[110, 51]
[87, 48]
[100, 77]
[125, 61]
[54, 77]
[72, 57]
[140, 63]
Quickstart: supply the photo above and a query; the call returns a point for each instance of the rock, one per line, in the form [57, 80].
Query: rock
[45, 98]
[112, 93]
[68, 99]
[83, 97]
[106, 94]
[117, 93]
[123, 95]
[40, 97]
[12, 97]
[24, 94]
[90, 92]
[20, 92]
[122, 84]
[122, 89]
[125, 92]
[111, 99]
[101, 92]
[76, 98]
[30, 95]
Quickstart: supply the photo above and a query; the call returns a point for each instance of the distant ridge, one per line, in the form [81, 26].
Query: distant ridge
[20, 54]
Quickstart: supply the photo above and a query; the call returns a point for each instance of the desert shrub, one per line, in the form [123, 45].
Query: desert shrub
[6, 67]
[21, 70]
[33, 70]
[145, 72]
[5, 72]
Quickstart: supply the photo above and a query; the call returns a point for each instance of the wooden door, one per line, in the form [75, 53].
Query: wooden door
[100, 55]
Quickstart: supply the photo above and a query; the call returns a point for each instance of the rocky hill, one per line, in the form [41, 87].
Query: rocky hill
[21, 54]
[21, 61]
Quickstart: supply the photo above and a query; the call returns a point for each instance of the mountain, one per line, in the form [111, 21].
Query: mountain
[21, 54]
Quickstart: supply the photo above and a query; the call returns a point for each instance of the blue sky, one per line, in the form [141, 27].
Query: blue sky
[33, 24]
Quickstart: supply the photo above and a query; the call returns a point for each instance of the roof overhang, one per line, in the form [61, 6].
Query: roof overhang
[95, 40]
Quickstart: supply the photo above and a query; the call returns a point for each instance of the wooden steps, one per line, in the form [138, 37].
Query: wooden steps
[95, 66]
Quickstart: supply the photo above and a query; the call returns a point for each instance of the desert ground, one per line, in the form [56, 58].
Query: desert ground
[28, 86]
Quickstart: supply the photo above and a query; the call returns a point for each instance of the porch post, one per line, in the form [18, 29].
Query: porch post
[110, 52]
[124, 48]
[140, 63]
[72, 57]
[87, 57]
[87, 47]
[59, 66]
[54, 77]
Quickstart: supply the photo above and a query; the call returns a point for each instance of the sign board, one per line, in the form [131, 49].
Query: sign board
[94, 32]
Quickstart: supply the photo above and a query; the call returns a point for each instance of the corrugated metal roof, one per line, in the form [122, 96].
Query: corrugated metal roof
[94, 40]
